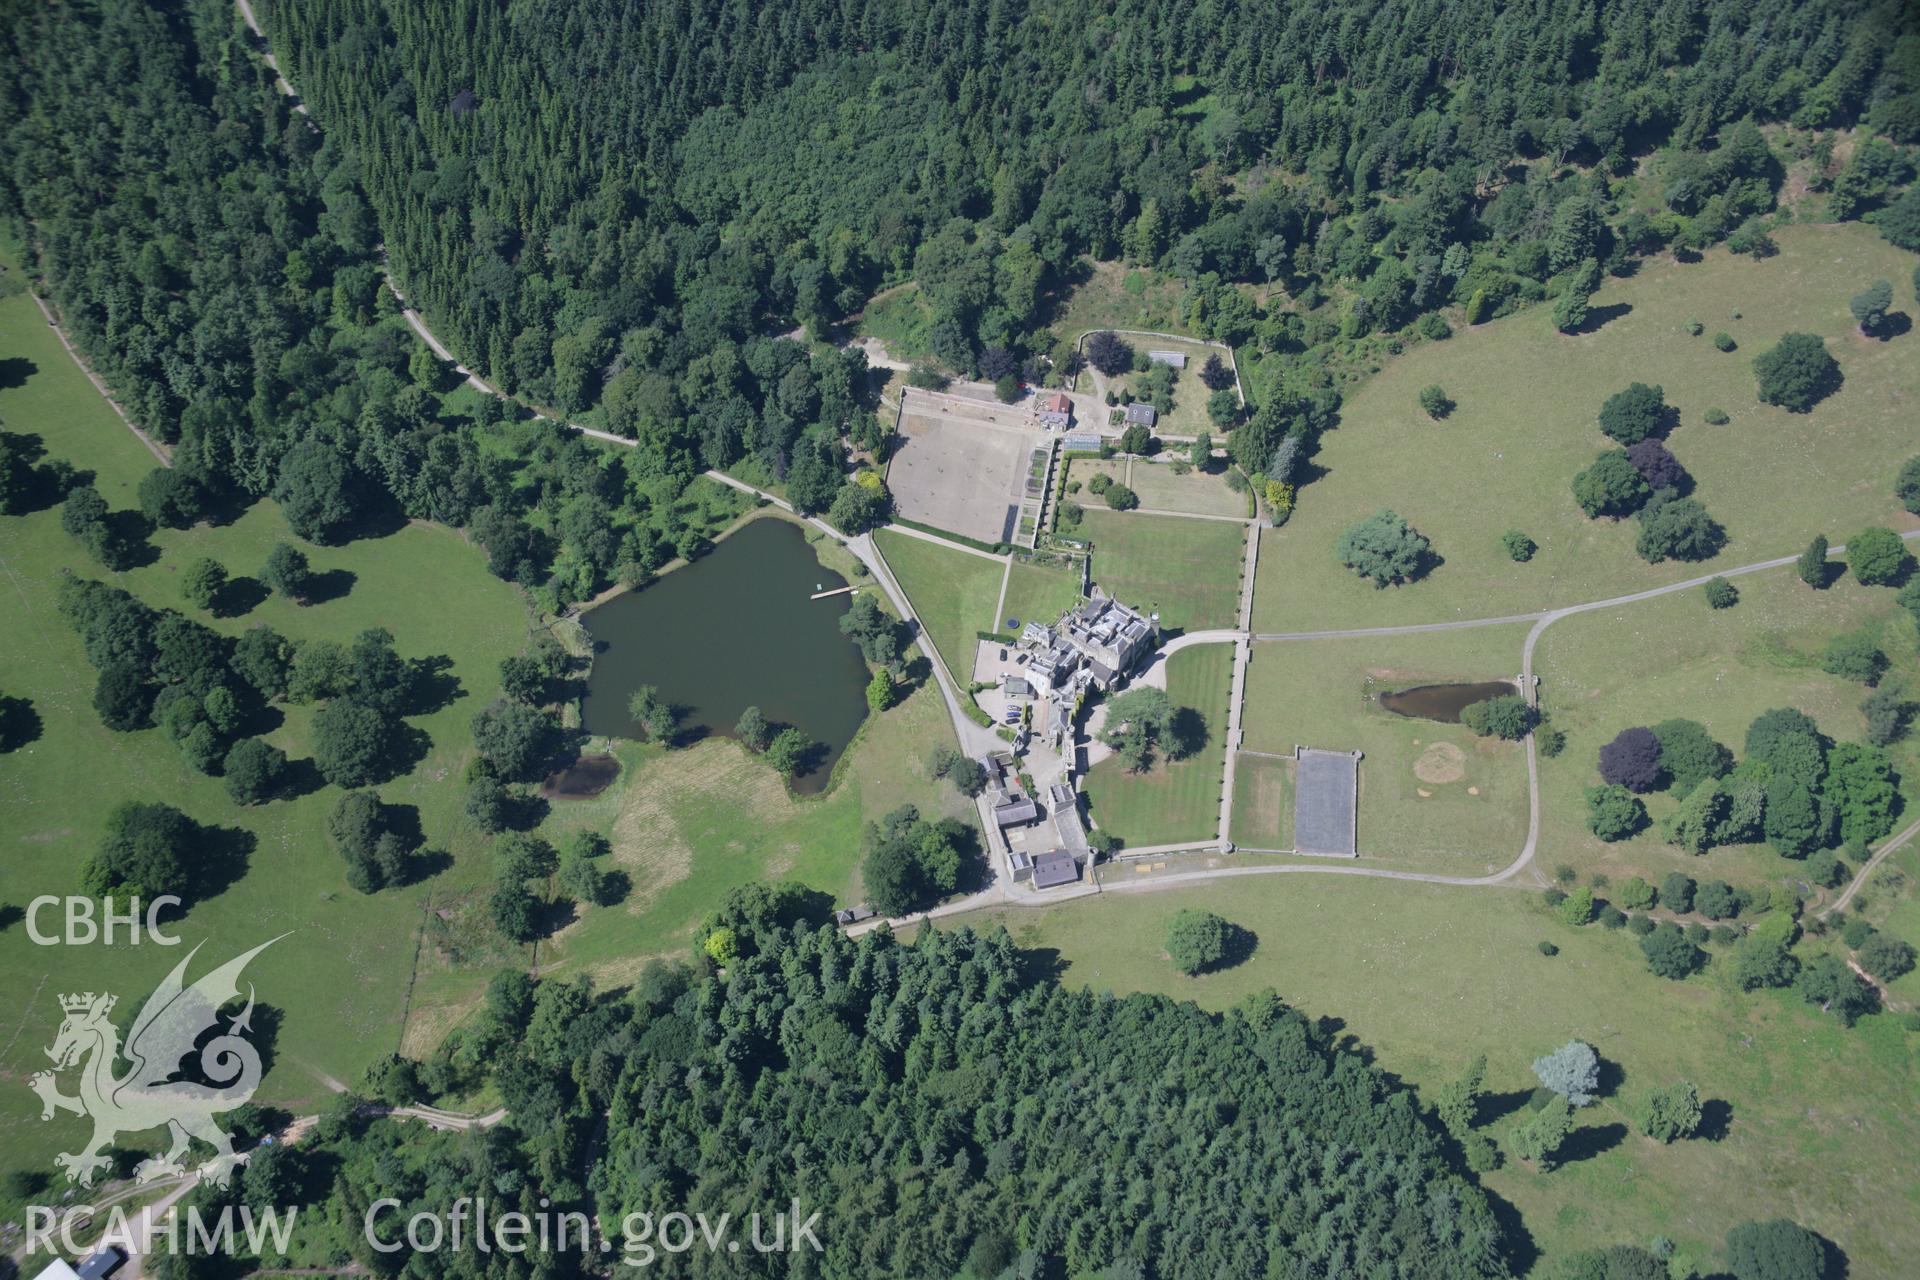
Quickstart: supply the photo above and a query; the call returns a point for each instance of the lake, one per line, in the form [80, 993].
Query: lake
[732, 630]
[1442, 702]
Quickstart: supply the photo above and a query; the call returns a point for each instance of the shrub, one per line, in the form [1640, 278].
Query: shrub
[1434, 400]
[1797, 373]
[1717, 900]
[1632, 415]
[1678, 530]
[1197, 940]
[1553, 897]
[1520, 547]
[1548, 949]
[1385, 549]
[1878, 557]
[1635, 894]
[1715, 417]
[1612, 917]
[1572, 1071]
[1640, 926]
[1672, 1112]
[1689, 755]
[1886, 958]
[1550, 741]
[1507, 716]
[1854, 656]
[1676, 892]
[1721, 594]
[1577, 907]
[1632, 760]
[1695, 328]
[1906, 486]
[1657, 465]
[1775, 1250]
[1100, 483]
[1669, 954]
[1121, 498]
[1614, 813]
[1612, 486]
[1724, 341]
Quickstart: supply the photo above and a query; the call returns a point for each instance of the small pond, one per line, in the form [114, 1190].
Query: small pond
[586, 777]
[734, 629]
[1442, 702]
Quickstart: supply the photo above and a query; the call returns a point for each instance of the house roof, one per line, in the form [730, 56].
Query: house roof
[1054, 868]
[1016, 812]
[1142, 413]
[1055, 403]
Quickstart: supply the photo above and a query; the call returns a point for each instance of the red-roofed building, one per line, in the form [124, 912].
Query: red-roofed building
[1055, 409]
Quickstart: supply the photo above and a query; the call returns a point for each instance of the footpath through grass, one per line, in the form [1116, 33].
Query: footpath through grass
[953, 593]
[1525, 425]
[1819, 1127]
[1187, 570]
[1174, 800]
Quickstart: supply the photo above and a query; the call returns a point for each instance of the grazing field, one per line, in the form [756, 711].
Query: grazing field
[1262, 802]
[689, 825]
[340, 980]
[1671, 657]
[1506, 457]
[1177, 800]
[1819, 1125]
[952, 593]
[1433, 796]
[1038, 593]
[1188, 570]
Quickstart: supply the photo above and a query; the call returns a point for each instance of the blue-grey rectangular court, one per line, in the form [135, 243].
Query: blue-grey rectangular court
[1325, 802]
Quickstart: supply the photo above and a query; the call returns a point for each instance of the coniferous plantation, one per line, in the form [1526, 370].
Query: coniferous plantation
[630, 968]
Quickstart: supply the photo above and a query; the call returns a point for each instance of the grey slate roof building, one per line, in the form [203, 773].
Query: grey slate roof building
[1016, 812]
[1142, 414]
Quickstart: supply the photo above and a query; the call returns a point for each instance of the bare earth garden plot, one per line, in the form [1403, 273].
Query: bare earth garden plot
[957, 474]
[1524, 426]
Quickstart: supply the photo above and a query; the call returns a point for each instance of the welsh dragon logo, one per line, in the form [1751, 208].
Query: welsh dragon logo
[168, 1029]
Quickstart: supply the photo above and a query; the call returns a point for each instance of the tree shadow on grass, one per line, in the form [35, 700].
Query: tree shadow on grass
[1037, 966]
[434, 686]
[1498, 1106]
[14, 372]
[334, 584]
[1892, 325]
[11, 913]
[1716, 1119]
[239, 597]
[20, 724]
[301, 778]
[224, 855]
[1599, 317]
[1586, 1143]
[1516, 1242]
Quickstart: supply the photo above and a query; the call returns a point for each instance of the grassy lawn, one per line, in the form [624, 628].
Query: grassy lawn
[1642, 663]
[1188, 570]
[1262, 803]
[1178, 800]
[689, 825]
[899, 318]
[1203, 493]
[341, 979]
[952, 592]
[1468, 814]
[1039, 593]
[1528, 397]
[1822, 1128]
